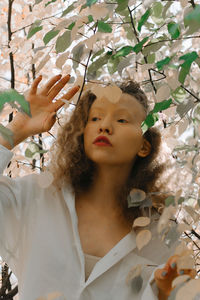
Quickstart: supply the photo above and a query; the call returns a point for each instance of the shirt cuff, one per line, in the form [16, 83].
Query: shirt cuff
[5, 157]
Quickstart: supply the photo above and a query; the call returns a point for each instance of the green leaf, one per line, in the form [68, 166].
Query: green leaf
[124, 51]
[170, 201]
[71, 26]
[90, 18]
[150, 120]
[97, 64]
[179, 94]
[183, 74]
[189, 57]
[77, 52]
[90, 2]
[181, 200]
[7, 134]
[98, 53]
[151, 58]
[50, 35]
[37, 1]
[143, 19]
[113, 64]
[156, 13]
[28, 153]
[193, 16]
[103, 27]
[185, 67]
[137, 48]
[67, 10]
[122, 5]
[174, 30]
[50, 2]
[63, 42]
[157, 9]
[160, 64]
[12, 96]
[159, 106]
[34, 28]
[153, 116]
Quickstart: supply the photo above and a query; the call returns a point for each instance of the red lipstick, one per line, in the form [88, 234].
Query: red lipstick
[102, 141]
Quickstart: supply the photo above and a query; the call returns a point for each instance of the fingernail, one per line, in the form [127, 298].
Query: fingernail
[173, 265]
[164, 273]
[181, 272]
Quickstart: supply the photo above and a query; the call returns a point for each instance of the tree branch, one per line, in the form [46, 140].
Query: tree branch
[86, 67]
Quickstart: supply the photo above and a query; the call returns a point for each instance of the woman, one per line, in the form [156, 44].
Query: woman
[75, 237]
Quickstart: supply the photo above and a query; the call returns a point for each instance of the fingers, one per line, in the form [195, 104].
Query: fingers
[59, 103]
[170, 269]
[53, 92]
[33, 89]
[49, 84]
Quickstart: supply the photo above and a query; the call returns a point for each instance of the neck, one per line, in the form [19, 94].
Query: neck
[102, 194]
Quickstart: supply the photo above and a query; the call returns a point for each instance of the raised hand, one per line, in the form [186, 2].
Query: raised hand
[164, 277]
[41, 106]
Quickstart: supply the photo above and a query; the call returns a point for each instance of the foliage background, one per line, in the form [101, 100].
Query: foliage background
[99, 42]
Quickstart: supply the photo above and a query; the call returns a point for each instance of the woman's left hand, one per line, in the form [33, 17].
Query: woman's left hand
[164, 277]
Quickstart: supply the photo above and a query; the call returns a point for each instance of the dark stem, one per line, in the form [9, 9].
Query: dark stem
[198, 100]
[12, 69]
[193, 4]
[86, 67]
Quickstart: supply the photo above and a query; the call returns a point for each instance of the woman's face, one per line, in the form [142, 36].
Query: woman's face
[121, 123]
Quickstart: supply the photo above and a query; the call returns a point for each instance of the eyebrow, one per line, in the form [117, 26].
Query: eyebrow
[117, 110]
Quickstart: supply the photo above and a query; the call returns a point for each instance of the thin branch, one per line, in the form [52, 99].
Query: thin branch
[138, 40]
[21, 162]
[171, 40]
[24, 27]
[12, 69]
[85, 73]
[197, 98]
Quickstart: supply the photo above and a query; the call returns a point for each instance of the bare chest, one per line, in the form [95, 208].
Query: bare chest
[98, 235]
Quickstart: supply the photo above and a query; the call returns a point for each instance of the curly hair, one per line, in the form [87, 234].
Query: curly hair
[70, 165]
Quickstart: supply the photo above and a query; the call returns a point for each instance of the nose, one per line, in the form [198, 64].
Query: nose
[105, 126]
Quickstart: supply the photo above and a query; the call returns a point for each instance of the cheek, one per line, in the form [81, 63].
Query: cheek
[87, 134]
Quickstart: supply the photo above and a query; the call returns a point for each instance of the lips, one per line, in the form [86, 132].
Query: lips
[102, 139]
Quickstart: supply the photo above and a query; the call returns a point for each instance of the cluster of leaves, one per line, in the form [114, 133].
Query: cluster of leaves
[153, 42]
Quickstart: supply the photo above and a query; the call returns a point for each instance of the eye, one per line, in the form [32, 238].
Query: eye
[123, 120]
[94, 118]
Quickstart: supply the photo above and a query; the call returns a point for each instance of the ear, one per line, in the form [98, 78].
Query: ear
[145, 150]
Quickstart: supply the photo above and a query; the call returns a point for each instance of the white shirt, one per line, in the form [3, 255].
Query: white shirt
[39, 240]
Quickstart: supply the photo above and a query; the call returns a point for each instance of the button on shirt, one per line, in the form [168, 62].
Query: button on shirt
[39, 240]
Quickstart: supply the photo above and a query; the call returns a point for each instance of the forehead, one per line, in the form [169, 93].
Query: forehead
[126, 102]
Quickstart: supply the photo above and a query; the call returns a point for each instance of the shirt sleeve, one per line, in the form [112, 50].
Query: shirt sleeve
[14, 193]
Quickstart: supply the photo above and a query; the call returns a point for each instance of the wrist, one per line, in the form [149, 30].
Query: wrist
[162, 295]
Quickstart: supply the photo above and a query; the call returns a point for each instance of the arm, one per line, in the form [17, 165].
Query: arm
[16, 195]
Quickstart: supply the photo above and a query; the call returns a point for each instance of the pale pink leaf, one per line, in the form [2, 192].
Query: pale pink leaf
[43, 63]
[113, 93]
[141, 222]
[189, 290]
[143, 238]
[163, 93]
[62, 59]
[180, 279]
[134, 272]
